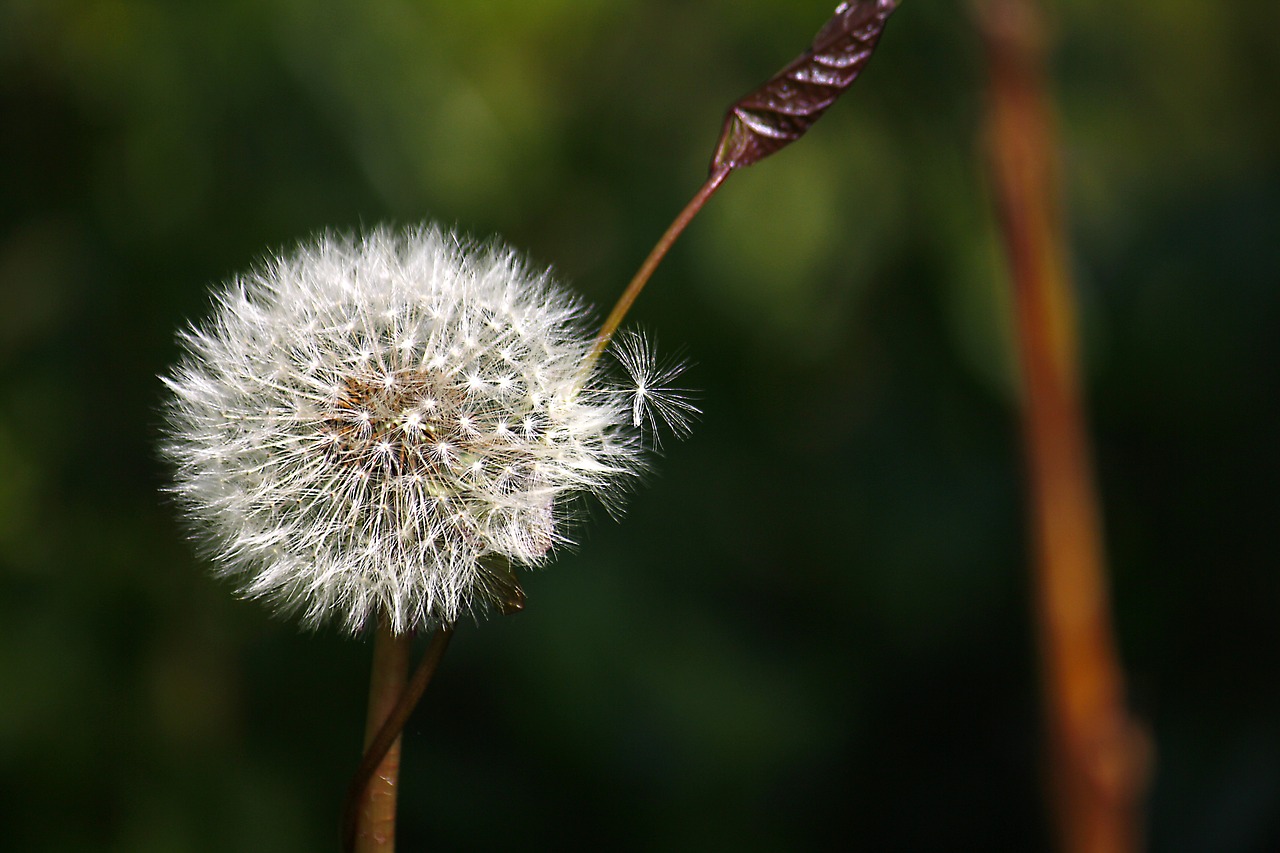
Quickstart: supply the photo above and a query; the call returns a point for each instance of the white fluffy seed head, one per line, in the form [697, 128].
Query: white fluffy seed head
[380, 427]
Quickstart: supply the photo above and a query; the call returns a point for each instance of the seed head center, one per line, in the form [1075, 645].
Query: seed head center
[397, 423]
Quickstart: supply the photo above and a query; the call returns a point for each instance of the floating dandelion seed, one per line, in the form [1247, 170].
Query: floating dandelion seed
[379, 427]
[656, 402]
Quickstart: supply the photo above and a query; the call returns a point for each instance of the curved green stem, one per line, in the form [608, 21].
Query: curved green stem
[656, 254]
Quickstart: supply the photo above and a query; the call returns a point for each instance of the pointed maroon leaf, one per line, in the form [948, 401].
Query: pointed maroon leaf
[785, 107]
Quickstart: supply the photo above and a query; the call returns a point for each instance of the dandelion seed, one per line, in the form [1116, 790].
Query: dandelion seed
[378, 427]
[655, 401]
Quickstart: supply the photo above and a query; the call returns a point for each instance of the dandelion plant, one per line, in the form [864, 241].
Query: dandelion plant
[377, 431]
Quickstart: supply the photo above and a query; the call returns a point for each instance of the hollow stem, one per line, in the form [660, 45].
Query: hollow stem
[369, 815]
[373, 806]
[1097, 755]
[656, 254]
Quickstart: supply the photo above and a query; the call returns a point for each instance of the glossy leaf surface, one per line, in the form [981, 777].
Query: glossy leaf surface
[784, 108]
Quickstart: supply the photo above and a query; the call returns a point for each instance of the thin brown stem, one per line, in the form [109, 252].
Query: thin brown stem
[656, 254]
[1098, 756]
[368, 820]
[373, 807]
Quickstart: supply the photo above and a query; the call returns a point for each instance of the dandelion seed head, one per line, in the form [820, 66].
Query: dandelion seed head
[367, 427]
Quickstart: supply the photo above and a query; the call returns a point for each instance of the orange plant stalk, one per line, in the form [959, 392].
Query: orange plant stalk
[1097, 755]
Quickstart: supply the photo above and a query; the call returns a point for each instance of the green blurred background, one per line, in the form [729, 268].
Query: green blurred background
[811, 631]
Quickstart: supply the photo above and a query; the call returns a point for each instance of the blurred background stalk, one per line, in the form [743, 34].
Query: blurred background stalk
[1097, 755]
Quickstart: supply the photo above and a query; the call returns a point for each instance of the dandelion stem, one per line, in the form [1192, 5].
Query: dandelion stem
[369, 816]
[372, 803]
[650, 264]
[1098, 755]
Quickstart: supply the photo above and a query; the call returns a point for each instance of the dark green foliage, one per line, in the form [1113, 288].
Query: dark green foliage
[811, 630]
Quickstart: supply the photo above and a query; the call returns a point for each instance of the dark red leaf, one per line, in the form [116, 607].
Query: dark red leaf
[780, 111]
